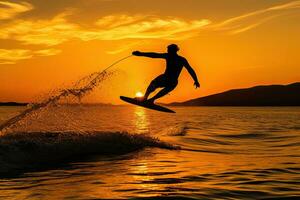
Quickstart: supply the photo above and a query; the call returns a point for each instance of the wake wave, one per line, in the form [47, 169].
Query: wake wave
[50, 147]
[177, 130]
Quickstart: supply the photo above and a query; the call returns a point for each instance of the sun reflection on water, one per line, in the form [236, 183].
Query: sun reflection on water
[140, 120]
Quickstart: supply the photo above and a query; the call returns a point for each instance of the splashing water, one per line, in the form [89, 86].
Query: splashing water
[89, 83]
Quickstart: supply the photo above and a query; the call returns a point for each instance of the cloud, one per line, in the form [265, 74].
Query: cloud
[58, 30]
[46, 32]
[253, 19]
[11, 56]
[47, 52]
[246, 27]
[112, 21]
[51, 32]
[9, 9]
[149, 27]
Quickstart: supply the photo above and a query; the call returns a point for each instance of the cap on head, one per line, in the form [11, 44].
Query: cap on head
[173, 48]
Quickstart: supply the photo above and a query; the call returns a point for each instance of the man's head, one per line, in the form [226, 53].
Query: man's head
[173, 48]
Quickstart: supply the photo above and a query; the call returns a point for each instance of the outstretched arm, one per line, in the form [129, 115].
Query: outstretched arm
[149, 54]
[192, 73]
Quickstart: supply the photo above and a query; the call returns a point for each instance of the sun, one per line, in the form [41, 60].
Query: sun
[139, 94]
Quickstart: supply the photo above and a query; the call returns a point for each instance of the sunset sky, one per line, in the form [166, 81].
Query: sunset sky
[47, 44]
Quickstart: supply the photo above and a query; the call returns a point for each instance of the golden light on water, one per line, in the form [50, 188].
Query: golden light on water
[141, 121]
[139, 94]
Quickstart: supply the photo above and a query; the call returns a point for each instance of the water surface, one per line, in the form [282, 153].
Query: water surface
[97, 152]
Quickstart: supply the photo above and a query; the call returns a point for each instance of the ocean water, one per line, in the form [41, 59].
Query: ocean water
[127, 152]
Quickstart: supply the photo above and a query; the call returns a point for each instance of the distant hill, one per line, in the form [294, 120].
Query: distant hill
[271, 95]
[12, 104]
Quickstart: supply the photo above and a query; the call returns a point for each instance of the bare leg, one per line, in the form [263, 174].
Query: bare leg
[161, 93]
[151, 88]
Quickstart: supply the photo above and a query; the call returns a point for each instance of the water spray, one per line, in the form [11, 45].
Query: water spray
[93, 80]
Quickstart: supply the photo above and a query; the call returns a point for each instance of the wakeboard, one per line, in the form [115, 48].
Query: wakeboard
[146, 104]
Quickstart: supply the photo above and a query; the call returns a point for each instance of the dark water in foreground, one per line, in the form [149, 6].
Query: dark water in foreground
[95, 152]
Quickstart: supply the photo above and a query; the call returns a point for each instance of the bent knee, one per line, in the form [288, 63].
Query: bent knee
[170, 88]
[153, 86]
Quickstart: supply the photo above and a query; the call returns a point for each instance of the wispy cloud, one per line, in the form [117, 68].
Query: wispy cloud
[112, 21]
[47, 52]
[47, 32]
[117, 27]
[148, 27]
[9, 9]
[11, 56]
[253, 19]
[58, 30]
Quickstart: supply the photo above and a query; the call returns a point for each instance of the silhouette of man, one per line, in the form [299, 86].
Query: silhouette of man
[169, 79]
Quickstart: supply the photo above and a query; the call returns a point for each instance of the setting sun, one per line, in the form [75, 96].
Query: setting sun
[139, 94]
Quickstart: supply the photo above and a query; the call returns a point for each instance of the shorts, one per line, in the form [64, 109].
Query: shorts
[163, 81]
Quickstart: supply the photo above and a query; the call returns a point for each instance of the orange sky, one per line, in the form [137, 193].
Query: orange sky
[48, 44]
